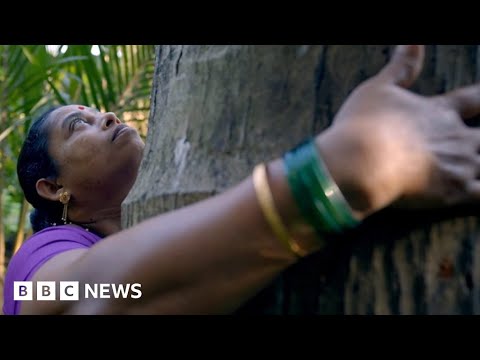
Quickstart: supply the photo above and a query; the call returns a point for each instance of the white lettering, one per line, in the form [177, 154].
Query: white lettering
[104, 289]
[93, 291]
[138, 292]
[120, 290]
[23, 290]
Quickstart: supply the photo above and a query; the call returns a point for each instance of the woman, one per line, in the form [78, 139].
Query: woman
[387, 146]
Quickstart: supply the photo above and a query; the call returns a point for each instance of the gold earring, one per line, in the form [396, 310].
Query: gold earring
[64, 199]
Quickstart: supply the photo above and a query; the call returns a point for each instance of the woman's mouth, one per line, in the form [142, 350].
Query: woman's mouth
[118, 130]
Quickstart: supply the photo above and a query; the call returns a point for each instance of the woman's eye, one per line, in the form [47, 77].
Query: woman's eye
[76, 121]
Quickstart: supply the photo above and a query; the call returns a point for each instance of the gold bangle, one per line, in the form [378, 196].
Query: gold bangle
[265, 199]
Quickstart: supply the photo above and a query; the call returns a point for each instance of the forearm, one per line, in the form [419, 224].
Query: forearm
[209, 257]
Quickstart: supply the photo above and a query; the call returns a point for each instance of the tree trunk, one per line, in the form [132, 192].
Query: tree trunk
[218, 110]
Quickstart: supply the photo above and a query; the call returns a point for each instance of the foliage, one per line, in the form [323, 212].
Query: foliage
[35, 77]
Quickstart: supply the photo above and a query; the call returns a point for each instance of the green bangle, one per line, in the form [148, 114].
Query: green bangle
[297, 164]
[318, 197]
[331, 194]
[309, 177]
[293, 165]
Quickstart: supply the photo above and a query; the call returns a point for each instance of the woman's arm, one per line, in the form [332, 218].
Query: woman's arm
[209, 257]
[387, 145]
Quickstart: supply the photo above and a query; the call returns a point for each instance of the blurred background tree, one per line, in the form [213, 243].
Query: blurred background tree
[33, 78]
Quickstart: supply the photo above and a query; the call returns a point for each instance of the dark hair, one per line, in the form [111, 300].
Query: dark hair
[34, 163]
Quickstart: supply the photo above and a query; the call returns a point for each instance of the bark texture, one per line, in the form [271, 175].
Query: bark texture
[216, 111]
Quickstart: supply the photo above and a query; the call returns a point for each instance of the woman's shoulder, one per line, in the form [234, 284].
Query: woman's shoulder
[65, 232]
[42, 246]
[58, 236]
[53, 240]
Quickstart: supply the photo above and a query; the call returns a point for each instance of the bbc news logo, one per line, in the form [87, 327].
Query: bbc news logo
[70, 291]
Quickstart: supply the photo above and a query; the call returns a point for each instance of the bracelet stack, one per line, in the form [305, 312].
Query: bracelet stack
[316, 194]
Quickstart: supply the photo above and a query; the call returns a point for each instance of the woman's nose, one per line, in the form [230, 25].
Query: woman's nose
[109, 119]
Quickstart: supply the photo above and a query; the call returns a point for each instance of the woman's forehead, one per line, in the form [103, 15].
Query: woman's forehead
[63, 111]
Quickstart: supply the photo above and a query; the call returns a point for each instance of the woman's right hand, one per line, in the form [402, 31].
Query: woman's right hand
[389, 145]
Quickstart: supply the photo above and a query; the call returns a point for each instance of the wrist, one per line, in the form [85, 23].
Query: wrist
[327, 186]
[307, 199]
[354, 164]
[298, 228]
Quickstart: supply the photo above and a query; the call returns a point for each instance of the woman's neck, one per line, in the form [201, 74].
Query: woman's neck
[102, 221]
[107, 227]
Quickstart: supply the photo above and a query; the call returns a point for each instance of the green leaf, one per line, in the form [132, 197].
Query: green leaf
[117, 70]
[8, 130]
[107, 73]
[30, 56]
[125, 64]
[57, 93]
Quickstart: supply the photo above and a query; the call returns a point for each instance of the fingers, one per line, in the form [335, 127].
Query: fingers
[473, 185]
[404, 66]
[473, 192]
[466, 100]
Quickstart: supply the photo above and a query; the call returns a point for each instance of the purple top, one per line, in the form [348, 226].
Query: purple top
[39, 248]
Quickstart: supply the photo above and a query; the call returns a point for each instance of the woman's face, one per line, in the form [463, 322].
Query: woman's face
[97, 155]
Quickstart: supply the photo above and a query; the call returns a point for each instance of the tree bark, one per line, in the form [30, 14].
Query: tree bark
[217, 111]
